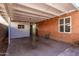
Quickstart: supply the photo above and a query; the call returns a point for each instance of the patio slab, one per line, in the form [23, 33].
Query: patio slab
[45, 47]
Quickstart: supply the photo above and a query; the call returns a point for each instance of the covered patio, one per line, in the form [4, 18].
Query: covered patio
[41, 19]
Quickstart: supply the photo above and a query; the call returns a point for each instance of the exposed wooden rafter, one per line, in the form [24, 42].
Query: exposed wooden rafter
[54, 6]
[40, 10]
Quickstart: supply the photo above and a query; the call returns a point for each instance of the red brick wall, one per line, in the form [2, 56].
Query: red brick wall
[51, 26]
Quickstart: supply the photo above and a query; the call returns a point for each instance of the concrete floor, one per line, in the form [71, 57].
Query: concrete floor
[3, 47]
[45, 47]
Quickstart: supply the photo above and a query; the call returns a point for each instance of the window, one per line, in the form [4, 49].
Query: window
[61, 25]
[20, 26]
[65, 24]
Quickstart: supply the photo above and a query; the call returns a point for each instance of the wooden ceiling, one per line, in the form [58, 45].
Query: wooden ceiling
[35, 12]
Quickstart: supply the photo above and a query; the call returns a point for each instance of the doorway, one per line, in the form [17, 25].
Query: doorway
[32, 29]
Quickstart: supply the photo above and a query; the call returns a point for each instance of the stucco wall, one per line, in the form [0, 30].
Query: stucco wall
[51, 26]
[17, 33]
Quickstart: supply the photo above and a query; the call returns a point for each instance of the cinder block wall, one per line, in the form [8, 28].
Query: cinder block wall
[19, 33]
[51, 26]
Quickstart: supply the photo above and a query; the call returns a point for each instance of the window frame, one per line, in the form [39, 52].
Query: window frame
[20, 26]
[65, 24]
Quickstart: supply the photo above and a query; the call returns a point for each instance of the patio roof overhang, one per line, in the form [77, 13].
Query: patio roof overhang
[36, 12]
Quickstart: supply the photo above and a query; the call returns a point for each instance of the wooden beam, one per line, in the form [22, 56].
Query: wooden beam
[40, 9]
[31, 12]
[54, 6]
